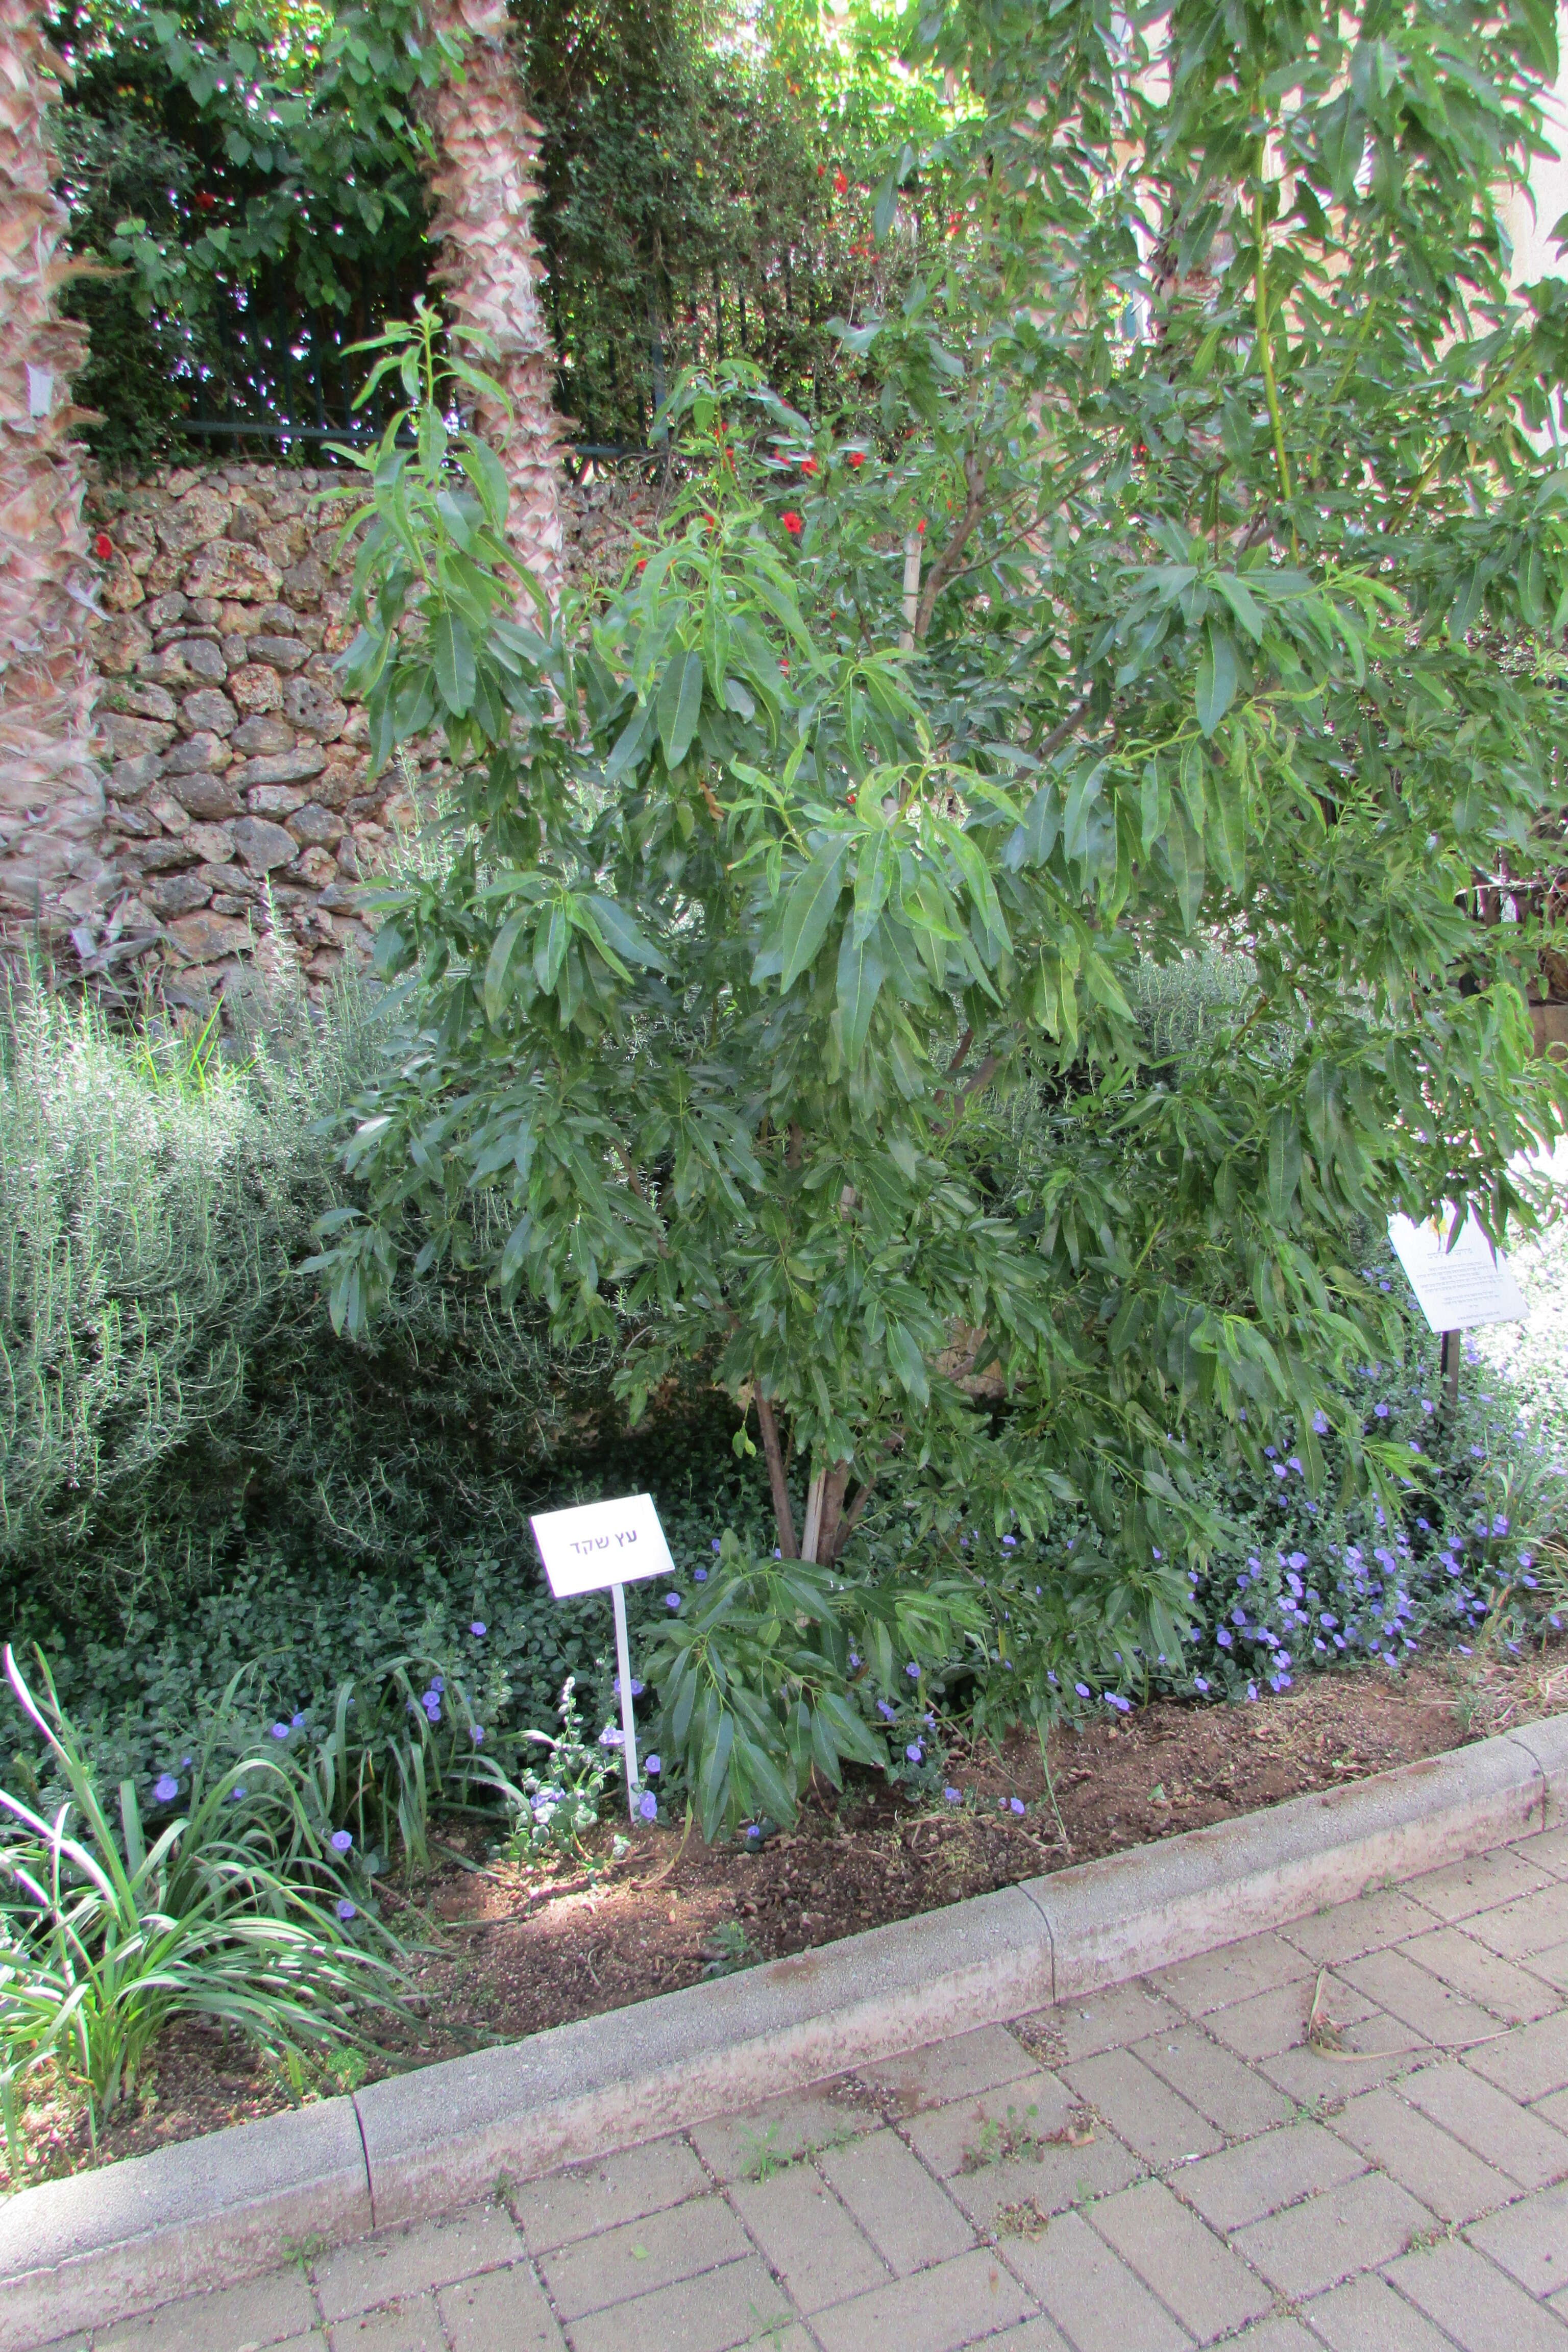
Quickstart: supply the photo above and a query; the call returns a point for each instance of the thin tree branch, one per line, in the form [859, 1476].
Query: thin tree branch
[784, 1518]
[947, 561]
[635, 1181]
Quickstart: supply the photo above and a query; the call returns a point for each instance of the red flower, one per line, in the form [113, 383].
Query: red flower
[205, 200]
[710, 520]
[808, 465]
[103, 547]
[794, 524]
[857, 458]
[784, 666]
[822, 171]
[642, 563]
[920, 527]
[841, 184]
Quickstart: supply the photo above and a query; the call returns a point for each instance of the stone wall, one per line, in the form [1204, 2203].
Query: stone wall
[241, 815]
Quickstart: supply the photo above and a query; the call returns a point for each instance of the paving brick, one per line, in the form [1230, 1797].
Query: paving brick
[1266, 2173]
[1330, 2237]
[1498, 1985]
[265, 2311]
[1422, 2156]
[1319, 2084]
[406, 2261]
[1236, 2101]
[1236, 1972]
[959, 2302]
[1548, 1851]
[1533, 1924]
[1029, 2336]
[1189, 2270]
[742, 2146]
[1263, 2026]
[1424, 2007]
[1054, 2180]
[503, 2311]
[1276, 2335]
[808, 2237]
[642, 2255]
[1367, 2315]
[1517, 2140]
[1553, 1965]
[595, 2197]
[1481, 1883]
[896, 2201]
[944, 2071]
[1092, 2294]
[1475, 2304]
[1528, 2063]
[737, 2305]
[411, 2326]
[1367, 1925]
[1140, 2109]
[1529, 2239]
[946, 2138]
[1126, 2013]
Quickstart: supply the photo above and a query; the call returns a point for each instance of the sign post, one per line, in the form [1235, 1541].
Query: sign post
[1456, 1288]
[597, 1547]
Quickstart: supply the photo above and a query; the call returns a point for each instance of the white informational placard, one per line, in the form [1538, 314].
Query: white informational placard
[1458, 1288]
[599, 1545]
[595, 1544]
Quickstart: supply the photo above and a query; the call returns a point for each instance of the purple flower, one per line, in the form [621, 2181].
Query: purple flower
[914, 1751]
[1295, 1462]
[636, 1687]
[166, 1788]
[1017, 1803]
[235, 1794]
[672, 1600]
[479, 1629]
[912, 1671]
[279, 1731]
[1297, 1559]
[699, 1575]
[478, 1734]
[1380, 1411]
[888, 1714]
[346, 1910]
[716, 1544]
[652, 1764]
[647, 1806]
[1082, 1689]
[1008, 1542]
[611, 1738]
[1321, 1423]
[1199, 1684]
[954, 1796]
[1223, 1638]
[296, 1723]
[854, 1657]
[340, 1841]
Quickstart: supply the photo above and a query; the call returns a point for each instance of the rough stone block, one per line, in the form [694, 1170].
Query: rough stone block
[192, 661]
[207, 795]
[206, 936]
[130, 739]
[274, 800]
[202, 749]
[178, 894]
[254, 736]
[262, 845]
[256, 688]
[316, 826]
[207, 711]
[285, 653]
[294, 767]
[315, 710]
[244, 575]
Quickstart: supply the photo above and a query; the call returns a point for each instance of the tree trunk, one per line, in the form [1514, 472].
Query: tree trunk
[51, 791]
[488, 146]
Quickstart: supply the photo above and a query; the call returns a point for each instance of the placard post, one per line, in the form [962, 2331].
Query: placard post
[1448, 1362]
[629, 1720]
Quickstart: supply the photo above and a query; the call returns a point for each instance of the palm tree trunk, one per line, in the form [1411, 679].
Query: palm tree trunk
[488, 146]
[51, 791]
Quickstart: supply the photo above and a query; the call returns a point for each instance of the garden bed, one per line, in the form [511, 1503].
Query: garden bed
[513, 1947]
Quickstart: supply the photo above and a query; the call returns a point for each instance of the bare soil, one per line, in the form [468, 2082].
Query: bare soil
[511, 1946]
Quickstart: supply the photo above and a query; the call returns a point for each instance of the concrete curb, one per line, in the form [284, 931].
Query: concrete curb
[83, 2252]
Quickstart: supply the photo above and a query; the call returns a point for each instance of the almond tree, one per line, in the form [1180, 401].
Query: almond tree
[51, 794]
[772, 1009]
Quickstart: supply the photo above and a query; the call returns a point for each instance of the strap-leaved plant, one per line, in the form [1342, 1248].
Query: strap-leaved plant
[1183, 569]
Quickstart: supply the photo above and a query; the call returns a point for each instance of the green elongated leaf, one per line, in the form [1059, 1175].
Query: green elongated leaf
[1185, 855]
[452, 656]
[550, 942]
[1154, 804]
[679, 707]
[861, 972]
[1284, 1172]
[809, 908]
[1217, 678]
[499, 962]
[1035, 839]
[714, 1783]
[622, 935]
[909, 1364]
[632, 742]
[851, 1736]
[1227, 833]
[1242, 603]
[768, 1783]
[488, 475]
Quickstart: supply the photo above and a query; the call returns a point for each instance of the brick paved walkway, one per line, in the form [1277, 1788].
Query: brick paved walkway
[1169, 2164]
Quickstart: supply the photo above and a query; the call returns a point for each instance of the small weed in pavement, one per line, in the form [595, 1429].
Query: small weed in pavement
[731, 1949]
[1027, 2218]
